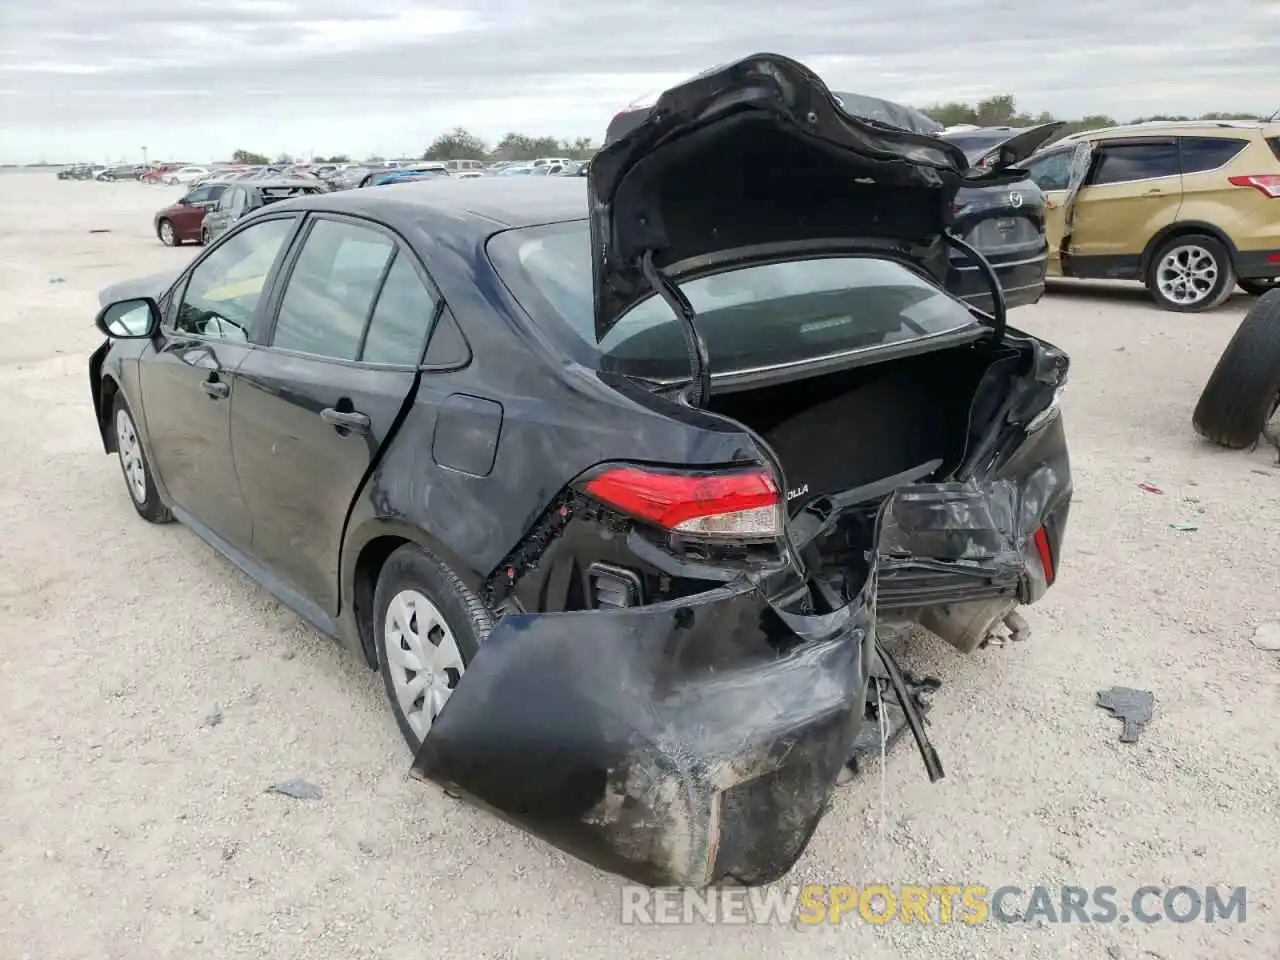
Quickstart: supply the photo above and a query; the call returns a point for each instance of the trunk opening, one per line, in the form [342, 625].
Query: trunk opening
[915, 418]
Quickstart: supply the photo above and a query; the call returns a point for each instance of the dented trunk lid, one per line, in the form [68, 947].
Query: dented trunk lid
[666, 199]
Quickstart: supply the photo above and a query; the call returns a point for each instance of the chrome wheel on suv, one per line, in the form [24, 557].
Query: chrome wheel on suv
[1190, 274]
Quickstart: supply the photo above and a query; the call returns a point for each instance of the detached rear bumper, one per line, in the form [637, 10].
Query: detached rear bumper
[683, 743]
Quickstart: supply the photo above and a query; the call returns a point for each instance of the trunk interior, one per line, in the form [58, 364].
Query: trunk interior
[839, 431]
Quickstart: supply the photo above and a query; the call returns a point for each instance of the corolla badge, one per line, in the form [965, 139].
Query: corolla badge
[1015, 199]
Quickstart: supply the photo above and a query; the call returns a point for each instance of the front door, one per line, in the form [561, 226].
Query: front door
[187, 384]
[315, 406]
[1051, 172]
[1133, 191]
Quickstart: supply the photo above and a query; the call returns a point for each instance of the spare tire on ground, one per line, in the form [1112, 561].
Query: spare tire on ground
[1244, 387]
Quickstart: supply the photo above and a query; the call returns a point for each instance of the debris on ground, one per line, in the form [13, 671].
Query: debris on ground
[100, 230]
[1134, 707]
[1150, 488]
[1019, 629]
[297, 788]
[1267, 637]
[213, 717]
[1184, 527]
[57, 280]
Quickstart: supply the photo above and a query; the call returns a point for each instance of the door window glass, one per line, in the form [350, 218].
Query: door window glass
[1125, 162]
[401, 318]
[223, 290]
[331, 290]
[1052, 171]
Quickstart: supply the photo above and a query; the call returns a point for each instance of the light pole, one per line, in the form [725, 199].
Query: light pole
[144, 156]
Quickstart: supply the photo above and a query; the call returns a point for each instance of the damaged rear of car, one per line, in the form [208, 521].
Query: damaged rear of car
[807, 437]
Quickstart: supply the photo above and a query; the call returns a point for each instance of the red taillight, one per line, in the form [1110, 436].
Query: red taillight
[742, 504]
[1268, 183]
[1041, 539]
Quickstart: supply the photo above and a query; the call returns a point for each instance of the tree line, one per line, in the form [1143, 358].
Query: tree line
[998, 111]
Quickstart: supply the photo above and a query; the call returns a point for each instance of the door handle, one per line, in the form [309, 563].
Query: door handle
[351, 421]
[216, 389]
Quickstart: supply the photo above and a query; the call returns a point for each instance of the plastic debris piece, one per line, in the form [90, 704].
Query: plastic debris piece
[213, 717]
[100, 230]
[1134, 707]
[1150, 488]
[1185, 527]
[57, 280]
[1267, 637]
[297, 788]
[1019, 629]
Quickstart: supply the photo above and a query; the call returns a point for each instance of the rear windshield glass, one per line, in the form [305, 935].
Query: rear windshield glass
[753, 317]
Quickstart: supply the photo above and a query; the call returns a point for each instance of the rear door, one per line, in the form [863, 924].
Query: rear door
[323, 393]
[1133, 191]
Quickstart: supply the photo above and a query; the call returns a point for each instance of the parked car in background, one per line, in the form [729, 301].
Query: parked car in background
[81, 171]
[469, 175]
[128, 171]
[185, 175]
[1188, 208]
[458, 166]
[1004, 223]
[436, 419]
[242, 198]
[544, 161]
[424, 170]
[181, 222]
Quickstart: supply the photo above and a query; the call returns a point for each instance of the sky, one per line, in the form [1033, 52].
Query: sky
[96, 80]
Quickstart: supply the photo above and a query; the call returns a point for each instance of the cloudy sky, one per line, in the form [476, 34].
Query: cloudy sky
[196, 79]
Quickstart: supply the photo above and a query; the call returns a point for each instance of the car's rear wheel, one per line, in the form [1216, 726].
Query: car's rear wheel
[1257, 288]
[1243, 389]
[1190, 274]
[133, 464]
[168, 236]
[428, 626]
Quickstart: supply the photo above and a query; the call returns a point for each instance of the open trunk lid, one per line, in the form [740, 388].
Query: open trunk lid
[666, 199]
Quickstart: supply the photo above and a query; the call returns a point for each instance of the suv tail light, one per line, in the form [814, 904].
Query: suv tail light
[1268, 183]
[738, 504]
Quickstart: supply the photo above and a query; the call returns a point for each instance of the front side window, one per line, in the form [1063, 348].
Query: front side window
[224, 288]
[755, 316]
[1126, 162]
[1051, 171]
[331, 290]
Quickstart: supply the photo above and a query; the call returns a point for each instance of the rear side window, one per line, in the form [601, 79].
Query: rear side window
[757, 316]
[401, 318]
[1274, 144]
[1125, 162]
[1208, 153]
[331, 290]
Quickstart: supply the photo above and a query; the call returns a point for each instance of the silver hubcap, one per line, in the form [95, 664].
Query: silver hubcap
[131, 457]
[166, 233]
[1187, 274]
[423, 659]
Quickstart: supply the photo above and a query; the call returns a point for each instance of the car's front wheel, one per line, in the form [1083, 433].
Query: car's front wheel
[168, 236]
[1256, 288]
[133, 464]
[428, 626]
[1191, 274]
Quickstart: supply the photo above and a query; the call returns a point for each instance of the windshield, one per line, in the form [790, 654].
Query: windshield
[756, 316]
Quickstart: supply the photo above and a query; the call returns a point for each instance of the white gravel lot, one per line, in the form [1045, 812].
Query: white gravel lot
[131, 829]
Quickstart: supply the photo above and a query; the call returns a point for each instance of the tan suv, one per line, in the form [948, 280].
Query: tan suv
[1189, 208]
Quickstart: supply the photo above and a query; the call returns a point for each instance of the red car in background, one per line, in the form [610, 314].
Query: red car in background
[180, 223]
[157, 172]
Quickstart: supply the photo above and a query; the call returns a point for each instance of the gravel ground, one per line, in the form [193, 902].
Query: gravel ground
[130, 827]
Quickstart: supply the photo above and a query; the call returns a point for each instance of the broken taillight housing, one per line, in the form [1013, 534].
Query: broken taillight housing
[1268, 183]
[737, 504]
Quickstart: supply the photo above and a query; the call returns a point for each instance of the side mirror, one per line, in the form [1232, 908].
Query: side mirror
[136, 319]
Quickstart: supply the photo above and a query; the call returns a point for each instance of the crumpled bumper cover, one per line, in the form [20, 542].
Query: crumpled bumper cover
[672, 744]
[696, 742]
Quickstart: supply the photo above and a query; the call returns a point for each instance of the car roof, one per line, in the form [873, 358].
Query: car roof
[493, 202]
[279, 182]
[1155, 128]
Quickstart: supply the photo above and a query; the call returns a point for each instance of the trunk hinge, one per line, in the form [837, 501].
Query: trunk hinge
[699, 361]
[999, 314]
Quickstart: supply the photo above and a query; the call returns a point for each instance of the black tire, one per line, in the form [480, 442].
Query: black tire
[1218, 293]
[148, 504]
[173, 240]
[1256, 288]
[412, 568]
[1242, 390]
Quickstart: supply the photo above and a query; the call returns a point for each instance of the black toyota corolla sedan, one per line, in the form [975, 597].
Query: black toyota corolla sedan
[613, 478]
